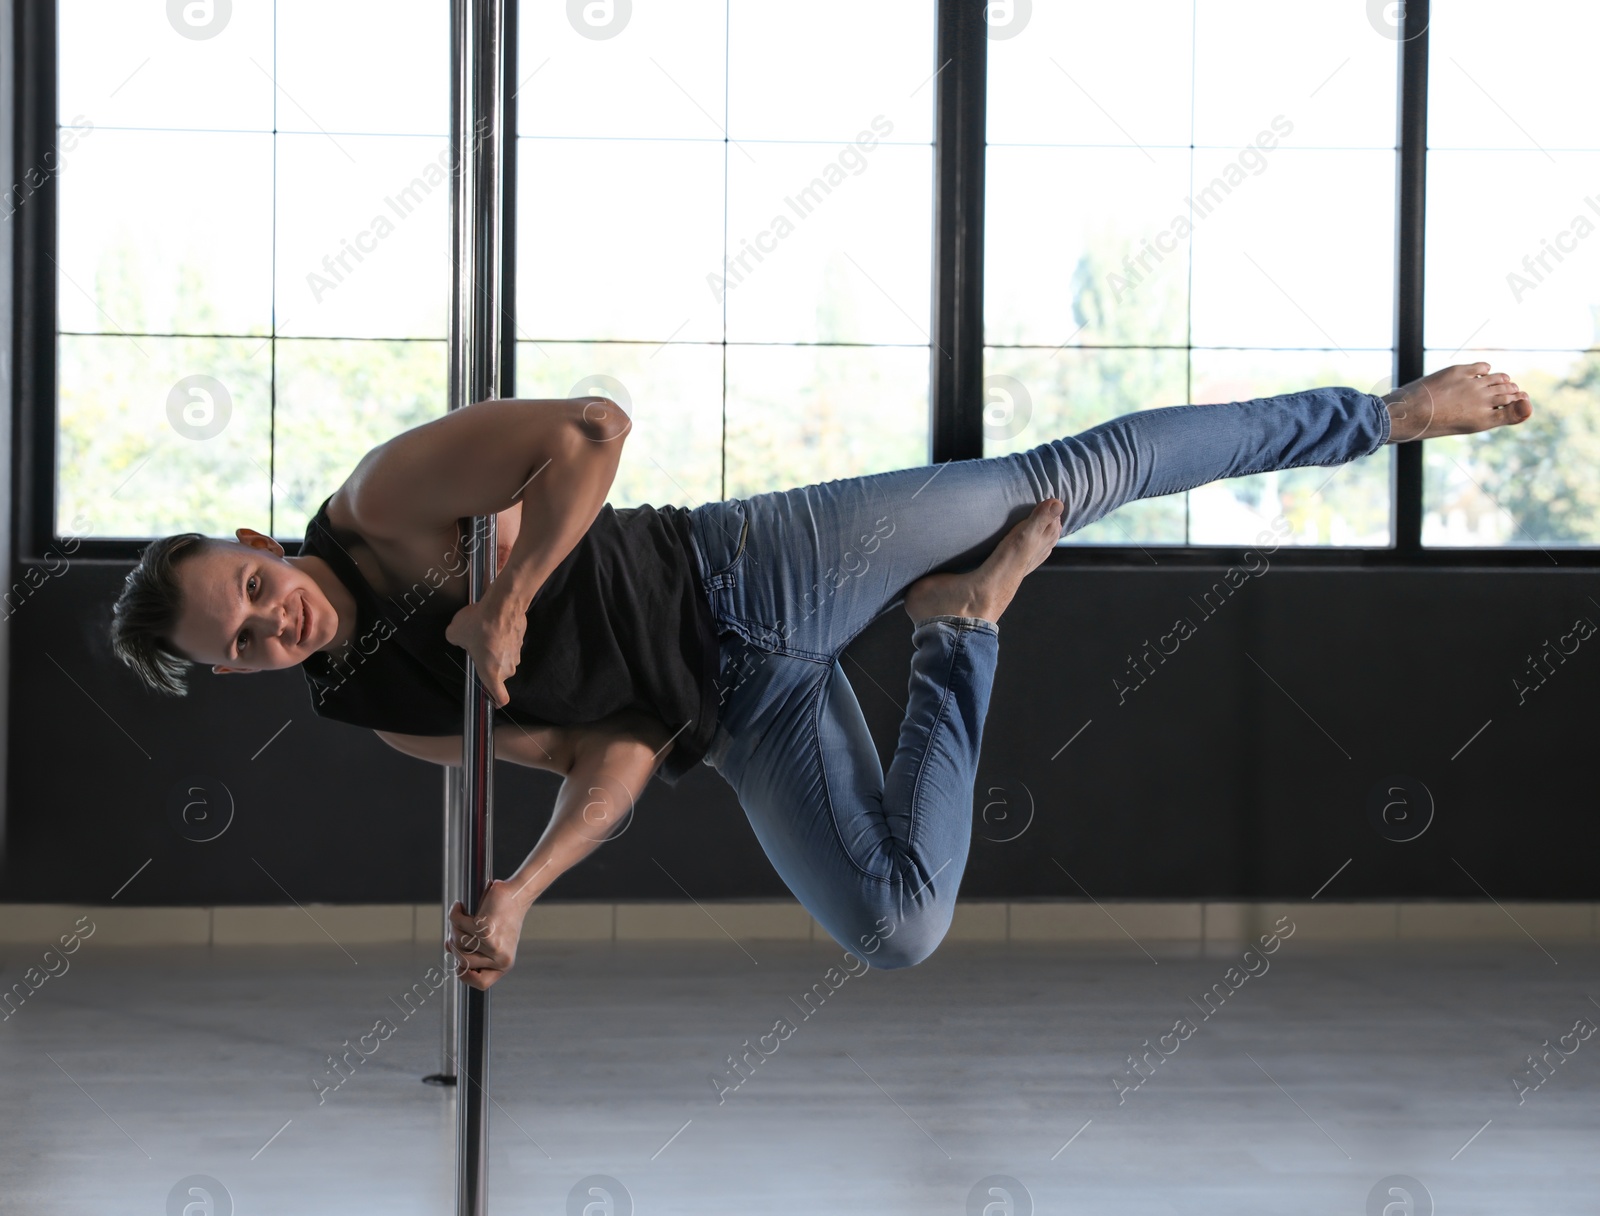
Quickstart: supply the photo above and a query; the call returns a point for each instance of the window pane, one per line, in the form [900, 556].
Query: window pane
[131, 65]
[335, 401]
[1086, 246]
[363, 236]
[163, 435]
[1321, 64]
[1513, 275]
[1350, 504]
[799, 415]
[1535, 484]
[139, 254]
[1513, 268]
[1054, 80]
[607, 69]
[1474, 103]
[1034, 396]
[878, 59]
[599, 257]
[673, 394]
[349, 67]
[1294, 249]
[829, 244]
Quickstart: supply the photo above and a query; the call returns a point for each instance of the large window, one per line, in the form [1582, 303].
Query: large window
[1205, 215]
[724, 218]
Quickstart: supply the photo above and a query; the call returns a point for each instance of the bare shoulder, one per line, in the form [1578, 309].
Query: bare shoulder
[468, 461]
[400, 556]
[390, 562]
[364, 504]
[339, 512]
[360, 506]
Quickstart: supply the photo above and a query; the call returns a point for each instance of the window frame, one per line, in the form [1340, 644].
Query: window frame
[956, 350]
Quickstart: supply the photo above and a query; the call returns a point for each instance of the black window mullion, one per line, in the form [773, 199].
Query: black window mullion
[1410, 223]
[34, 337]
[955, 398]
[508, 206]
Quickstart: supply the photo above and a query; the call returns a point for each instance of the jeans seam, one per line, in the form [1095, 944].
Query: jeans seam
[819, 693]
[1384, 433]
[961, 623]
[938, 720]
[745, 626]
[724, 577]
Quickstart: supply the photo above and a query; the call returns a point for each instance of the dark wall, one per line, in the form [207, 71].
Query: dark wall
[1241, 766]
[7, 357]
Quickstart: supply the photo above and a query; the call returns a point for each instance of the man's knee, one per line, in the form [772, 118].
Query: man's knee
[896, 958]
[911, 941]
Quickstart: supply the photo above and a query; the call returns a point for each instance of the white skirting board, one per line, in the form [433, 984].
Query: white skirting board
[978, 920]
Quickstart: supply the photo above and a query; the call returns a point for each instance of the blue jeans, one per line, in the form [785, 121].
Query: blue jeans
[794, 575]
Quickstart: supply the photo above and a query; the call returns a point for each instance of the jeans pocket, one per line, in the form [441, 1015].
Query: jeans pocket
[722, 576]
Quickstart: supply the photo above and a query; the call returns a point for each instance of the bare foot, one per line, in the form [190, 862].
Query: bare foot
[986, 592]
[1459, 400]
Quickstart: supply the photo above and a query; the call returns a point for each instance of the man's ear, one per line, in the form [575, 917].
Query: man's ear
[220, 670]
[258, 540]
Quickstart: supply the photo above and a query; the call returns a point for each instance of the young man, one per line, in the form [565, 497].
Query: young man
[617, 644]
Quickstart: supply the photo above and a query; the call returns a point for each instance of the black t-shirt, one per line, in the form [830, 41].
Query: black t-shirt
[621, 623]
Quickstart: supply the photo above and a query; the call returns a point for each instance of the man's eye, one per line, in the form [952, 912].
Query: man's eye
[243, 637]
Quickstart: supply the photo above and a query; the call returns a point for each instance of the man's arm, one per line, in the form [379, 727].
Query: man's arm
[610, 769]
[553, 461]
[556, 459]
[605, 765]
[546, 747]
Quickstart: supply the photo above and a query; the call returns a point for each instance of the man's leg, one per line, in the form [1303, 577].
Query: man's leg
[816, 564]
[877, 863]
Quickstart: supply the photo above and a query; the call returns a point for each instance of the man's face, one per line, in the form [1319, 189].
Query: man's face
[247, 608]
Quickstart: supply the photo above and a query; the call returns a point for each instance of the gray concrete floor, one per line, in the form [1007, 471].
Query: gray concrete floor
[1336, 1068]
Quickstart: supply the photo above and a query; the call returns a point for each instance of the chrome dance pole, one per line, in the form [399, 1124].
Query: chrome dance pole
[454, 995]
[477, 79]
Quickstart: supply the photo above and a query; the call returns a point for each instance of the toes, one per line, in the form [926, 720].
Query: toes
[1050, 516]
[1045, 515]
[1512, 408]
[1473, 369]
